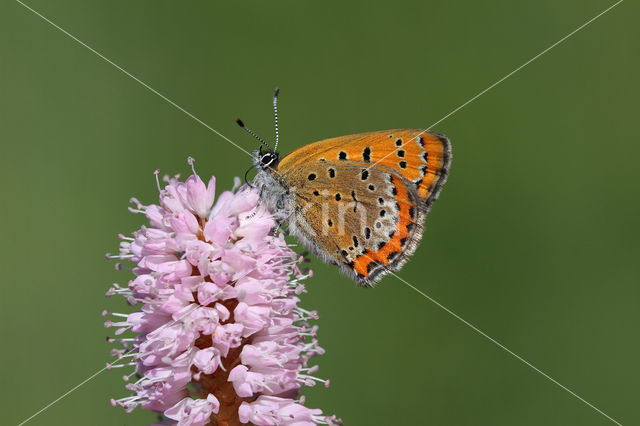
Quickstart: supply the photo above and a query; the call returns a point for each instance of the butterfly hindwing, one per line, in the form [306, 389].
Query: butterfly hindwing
[368, 221]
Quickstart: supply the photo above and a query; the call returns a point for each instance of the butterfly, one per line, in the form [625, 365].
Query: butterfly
[357, 201]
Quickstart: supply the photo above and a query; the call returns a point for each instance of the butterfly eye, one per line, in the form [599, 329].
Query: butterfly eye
[267, 159]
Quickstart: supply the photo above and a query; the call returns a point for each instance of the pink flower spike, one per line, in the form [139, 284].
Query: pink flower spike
[218, 336]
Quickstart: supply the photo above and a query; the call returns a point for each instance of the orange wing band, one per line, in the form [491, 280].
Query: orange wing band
[395, 243]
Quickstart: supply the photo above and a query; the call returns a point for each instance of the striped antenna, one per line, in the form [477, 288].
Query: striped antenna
[248, 130]
[275, 111]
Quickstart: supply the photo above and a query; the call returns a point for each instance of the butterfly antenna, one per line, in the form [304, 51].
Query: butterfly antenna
[248, 130]
[275, 111]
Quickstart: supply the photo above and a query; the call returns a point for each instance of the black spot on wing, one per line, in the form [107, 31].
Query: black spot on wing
[366, 155]
[367, 233]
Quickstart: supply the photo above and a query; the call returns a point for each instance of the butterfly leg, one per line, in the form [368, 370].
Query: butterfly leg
[255, 211]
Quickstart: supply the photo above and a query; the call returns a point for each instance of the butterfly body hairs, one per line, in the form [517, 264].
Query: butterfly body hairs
[357, 201]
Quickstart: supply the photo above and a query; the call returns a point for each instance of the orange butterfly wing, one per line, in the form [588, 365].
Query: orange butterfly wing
[420, 162]
[420, 156]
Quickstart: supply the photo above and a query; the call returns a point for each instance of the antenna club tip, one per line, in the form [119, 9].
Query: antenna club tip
[275, 92]
[240, 123]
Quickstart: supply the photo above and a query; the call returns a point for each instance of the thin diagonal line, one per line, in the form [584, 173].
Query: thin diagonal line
[108, 366]
[503, 347]
[64, 395]
[501, 80]
[135, 78]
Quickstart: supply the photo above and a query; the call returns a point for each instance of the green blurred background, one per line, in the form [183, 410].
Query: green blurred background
[534, 239]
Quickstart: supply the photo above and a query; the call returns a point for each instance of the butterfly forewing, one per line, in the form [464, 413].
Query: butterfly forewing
[420, 156]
